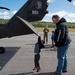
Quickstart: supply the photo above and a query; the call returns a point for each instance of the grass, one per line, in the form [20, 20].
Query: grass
[2, 21]
[51, 29]
[40, 25]
[50, 24]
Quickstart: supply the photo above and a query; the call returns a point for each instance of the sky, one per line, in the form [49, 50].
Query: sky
[63, 8]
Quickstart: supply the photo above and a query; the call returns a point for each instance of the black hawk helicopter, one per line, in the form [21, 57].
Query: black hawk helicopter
[32, 10]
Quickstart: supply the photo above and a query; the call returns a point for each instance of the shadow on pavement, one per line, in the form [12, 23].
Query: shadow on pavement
[33, 44]
[32, 73]
[43, 73]
[9, 53]
[48, 46]
[29, 73]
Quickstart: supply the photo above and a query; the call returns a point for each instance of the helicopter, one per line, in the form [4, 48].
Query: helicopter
[19, 24]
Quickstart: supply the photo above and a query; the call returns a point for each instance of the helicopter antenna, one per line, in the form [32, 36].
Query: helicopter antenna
[4, 8]
[70, 0]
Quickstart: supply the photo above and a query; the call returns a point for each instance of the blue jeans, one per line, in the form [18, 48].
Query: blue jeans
[62, 58]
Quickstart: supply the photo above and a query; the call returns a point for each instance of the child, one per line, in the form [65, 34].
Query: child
[38, 46]
[52, 38]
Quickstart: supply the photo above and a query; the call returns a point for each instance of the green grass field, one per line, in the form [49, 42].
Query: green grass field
[51, 29]
[50, 24]
[40, 25]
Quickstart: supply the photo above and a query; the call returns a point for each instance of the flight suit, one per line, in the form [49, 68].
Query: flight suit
[46, 30]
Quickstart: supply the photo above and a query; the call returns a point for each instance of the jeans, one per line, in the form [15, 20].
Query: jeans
[62, 58]
[36, 60]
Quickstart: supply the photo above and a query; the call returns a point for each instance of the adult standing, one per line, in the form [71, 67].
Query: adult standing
[62, 43]
[46, 31]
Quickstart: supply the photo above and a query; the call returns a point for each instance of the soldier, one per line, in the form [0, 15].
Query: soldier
[46, 31]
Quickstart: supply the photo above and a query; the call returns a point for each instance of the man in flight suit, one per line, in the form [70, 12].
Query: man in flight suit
[46, 31]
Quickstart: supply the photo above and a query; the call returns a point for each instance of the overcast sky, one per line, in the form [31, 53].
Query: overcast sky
[61, 7]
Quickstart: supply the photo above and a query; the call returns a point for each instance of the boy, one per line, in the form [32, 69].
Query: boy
[52, 38]
[38, 46]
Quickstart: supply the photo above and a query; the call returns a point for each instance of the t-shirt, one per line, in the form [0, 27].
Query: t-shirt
[52, 37]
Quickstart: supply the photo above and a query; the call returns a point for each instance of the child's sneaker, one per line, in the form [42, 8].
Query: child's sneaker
[38, 69]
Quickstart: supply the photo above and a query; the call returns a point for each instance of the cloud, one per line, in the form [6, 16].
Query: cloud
[7, 15]
[14, 12]
[60, 13]
[74, 3]
[4, 15]
[44, 20]
[70, 17]
[50, 1]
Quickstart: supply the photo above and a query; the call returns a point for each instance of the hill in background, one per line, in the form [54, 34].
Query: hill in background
[42, 24]
[3, 21]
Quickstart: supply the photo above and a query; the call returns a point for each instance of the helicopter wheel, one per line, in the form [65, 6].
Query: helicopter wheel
[2, 50]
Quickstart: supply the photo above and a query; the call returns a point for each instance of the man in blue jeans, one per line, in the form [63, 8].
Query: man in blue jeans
[62, 43]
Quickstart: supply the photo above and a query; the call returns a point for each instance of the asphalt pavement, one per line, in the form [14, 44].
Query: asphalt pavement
[19, 56]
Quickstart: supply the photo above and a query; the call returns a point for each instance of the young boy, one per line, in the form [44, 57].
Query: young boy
[38, 46]
[52, 38]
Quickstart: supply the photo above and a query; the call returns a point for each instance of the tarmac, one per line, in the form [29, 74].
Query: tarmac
[19, 56]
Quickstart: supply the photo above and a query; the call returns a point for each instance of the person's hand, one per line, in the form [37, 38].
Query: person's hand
[55, 48]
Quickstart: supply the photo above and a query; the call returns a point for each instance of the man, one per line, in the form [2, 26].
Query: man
[62, 43]
[46, 30]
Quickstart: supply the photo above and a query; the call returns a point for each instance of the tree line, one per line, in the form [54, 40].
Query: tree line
[42, 24]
